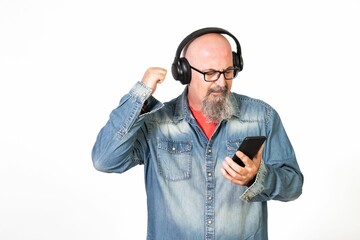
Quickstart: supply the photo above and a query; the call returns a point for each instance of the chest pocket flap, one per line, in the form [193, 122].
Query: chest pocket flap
[174, 159]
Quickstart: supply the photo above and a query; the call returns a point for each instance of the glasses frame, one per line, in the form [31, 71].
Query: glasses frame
[236, 70]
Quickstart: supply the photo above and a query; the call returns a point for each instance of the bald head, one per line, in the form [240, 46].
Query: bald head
[207, 50]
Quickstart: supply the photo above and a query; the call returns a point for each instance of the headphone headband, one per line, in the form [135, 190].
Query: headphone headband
[181, 68]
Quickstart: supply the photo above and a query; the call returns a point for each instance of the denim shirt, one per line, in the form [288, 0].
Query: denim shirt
[187, 195]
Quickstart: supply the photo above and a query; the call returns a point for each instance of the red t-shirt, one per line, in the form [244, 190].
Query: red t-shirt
[207, 127]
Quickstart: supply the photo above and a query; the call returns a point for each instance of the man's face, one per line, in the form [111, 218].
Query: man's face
[210, 52]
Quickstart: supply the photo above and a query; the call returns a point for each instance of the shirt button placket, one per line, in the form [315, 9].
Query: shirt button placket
[210, 191]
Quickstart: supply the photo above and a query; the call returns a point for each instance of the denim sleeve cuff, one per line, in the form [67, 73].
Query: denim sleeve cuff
[140, 92]
[142, 95]
[258, 186]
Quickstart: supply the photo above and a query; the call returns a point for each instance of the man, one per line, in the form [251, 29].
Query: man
[194, 188]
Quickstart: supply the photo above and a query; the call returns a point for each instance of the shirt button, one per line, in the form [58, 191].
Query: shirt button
[209, 222]
[210, 197]
[173, 149]
[209, 174]
[209, 151]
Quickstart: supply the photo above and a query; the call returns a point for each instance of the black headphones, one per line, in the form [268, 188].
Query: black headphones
[180, 68]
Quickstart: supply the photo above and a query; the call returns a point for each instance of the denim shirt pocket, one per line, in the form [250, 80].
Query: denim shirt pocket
[174, 159]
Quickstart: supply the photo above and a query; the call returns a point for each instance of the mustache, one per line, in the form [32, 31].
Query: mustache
[223, 90]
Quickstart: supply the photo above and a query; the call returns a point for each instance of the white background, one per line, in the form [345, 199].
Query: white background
[65, 64]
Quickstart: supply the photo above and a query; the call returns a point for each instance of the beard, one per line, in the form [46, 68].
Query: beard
[217, 107]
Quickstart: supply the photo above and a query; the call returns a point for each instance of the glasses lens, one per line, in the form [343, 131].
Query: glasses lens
[230, 73]
[212, 75]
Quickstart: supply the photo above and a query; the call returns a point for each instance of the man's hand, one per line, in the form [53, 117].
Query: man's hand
[243, 176]
[153, 76]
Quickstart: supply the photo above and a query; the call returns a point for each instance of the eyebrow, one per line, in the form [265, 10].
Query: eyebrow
[211, 69]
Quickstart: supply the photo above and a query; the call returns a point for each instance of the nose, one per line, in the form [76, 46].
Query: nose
[221, 81]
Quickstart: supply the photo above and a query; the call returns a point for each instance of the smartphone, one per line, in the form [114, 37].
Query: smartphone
[250, 146]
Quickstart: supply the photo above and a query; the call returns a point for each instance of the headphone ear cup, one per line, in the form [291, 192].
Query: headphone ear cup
[186, 70]
[237, 61]
[181, 71]
[175, 70]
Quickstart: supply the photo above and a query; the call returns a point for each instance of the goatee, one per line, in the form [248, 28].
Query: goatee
[218, 107]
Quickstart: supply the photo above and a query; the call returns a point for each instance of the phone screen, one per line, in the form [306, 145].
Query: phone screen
[250, 146]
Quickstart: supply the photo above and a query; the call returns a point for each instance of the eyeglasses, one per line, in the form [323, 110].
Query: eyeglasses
[213, 75]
